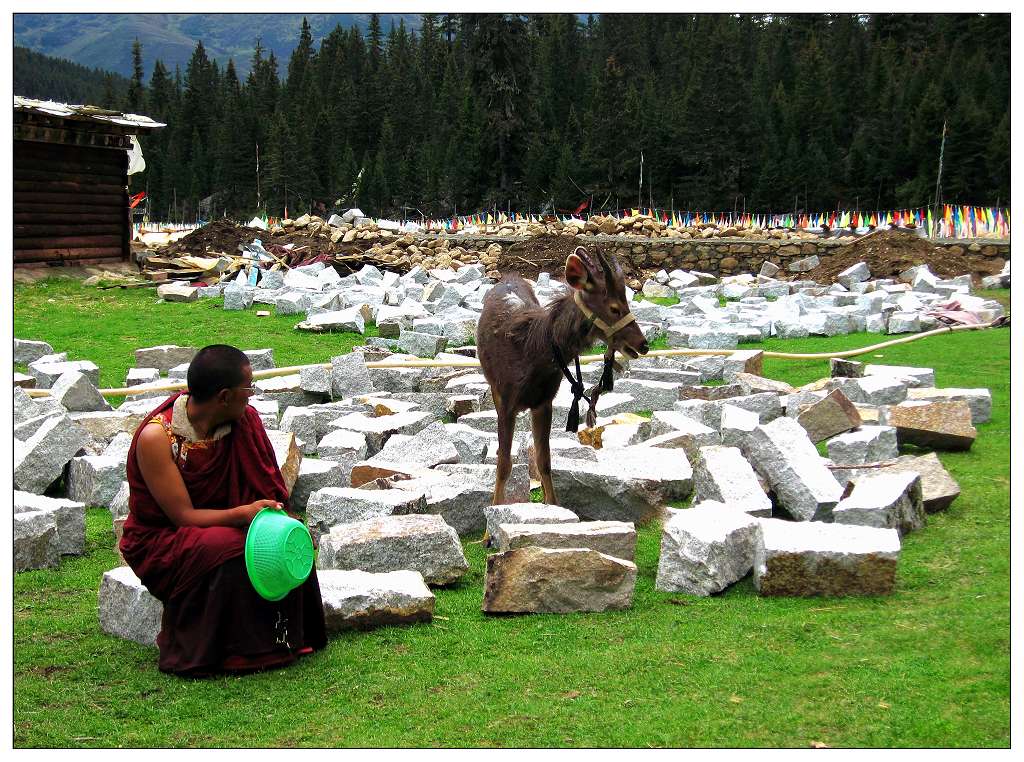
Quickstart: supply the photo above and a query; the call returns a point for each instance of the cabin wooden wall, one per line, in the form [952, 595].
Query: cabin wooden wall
[70, 203]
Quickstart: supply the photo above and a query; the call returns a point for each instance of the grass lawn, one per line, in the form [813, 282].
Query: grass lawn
[926, 666]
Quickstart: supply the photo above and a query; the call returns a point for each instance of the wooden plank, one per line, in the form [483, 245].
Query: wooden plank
[40, 230]
[50, 214]
[44, 255]
[69, 199]
[71, 242]
[69, 173]
[57, 152]
[58, 210]
[58, 184]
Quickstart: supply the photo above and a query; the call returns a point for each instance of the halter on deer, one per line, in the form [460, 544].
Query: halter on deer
[523, 350]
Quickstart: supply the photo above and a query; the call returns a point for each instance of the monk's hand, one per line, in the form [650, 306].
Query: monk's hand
[248, 512]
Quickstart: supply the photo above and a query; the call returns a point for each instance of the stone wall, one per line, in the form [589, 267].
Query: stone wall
[723, 256]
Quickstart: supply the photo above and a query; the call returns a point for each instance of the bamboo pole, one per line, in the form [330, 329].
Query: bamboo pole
[584, 360]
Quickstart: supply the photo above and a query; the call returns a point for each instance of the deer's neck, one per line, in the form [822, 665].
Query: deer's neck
[569, 330]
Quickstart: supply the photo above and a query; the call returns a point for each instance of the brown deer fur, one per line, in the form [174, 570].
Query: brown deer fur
[515, 337]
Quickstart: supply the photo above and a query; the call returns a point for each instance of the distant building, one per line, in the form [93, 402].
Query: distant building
[71, 182]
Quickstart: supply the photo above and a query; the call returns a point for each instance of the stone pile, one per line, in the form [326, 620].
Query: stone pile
[432, 307]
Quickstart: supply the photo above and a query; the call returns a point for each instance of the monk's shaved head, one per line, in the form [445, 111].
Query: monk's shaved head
[216, 367]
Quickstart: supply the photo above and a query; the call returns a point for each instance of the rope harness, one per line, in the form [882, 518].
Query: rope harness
[607, 380]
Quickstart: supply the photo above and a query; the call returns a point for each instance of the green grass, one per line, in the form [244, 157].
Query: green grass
[107, 326]
[927, 666]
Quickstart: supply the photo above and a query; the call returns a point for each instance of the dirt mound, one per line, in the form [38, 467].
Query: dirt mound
[547, 253]
[224, 237]
[890, 252]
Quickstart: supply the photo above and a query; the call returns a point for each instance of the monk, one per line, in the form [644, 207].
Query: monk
[200, 467]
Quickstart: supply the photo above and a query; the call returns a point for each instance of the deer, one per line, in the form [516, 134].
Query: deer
[524, 348]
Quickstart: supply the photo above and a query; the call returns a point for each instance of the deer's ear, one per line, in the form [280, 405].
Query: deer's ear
[576, 274]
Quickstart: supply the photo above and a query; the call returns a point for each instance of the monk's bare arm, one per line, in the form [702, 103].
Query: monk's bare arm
[161, 475]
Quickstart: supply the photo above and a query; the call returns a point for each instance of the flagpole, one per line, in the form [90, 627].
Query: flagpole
[938, 179]
[640, 186]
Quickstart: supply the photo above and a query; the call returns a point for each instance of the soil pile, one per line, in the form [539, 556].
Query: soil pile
[887, 253]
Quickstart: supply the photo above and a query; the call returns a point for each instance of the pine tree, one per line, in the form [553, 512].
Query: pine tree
[135, 101]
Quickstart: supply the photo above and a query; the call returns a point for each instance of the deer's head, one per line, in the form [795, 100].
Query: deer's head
[600, 292]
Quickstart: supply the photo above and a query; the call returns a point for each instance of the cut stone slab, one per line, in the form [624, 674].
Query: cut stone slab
[868, 444]
[526, 513]
[314, 475]
[890, 500]
[360, 600]
[301, 422]
[24, 381]
[68, 515]
[137, 376]
[978, 400]
[260, 359]
[914, 377]
[42, 458]
[460, 498]
[722, 474]
[349, 320]
[783, 454]
[557, 581]
[936, 425]
[119, 505]
[46, 374]
[706, 548]
[858, 273]
[828, 417]
[818, 558]
[76, 393]
[749, 362]
[421, 344]
[27, 351]
[344, 446]
[803, 265]
[332, 506]
[426, 449]
[626, 484]
[177, 292]
[35, 541]
[423, 543]
[938, 488]
[103, 426]
[316, 380]
[288, 456]
[377, 430]
[839, 368]
[163, 357]
[237, 298]
[873, 390]
[95, 479]
[127, 609]
[613, 538]
[470, 443]
[674, 429]
[736, 424]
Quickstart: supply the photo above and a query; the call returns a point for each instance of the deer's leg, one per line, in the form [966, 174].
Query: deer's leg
[506, 430]
[541, 419]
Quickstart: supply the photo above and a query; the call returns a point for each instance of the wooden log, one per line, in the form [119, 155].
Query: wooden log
[58, 211]
[69, 254]
[63, 185]
[70, 242]
[71, 199]
[59, 217]
[70, 173]
[41, 230]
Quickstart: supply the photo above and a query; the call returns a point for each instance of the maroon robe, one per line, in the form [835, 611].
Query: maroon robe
[211, 611]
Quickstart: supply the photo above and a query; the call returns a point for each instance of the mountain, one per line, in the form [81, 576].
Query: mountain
[46, 78]
[104, 40]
